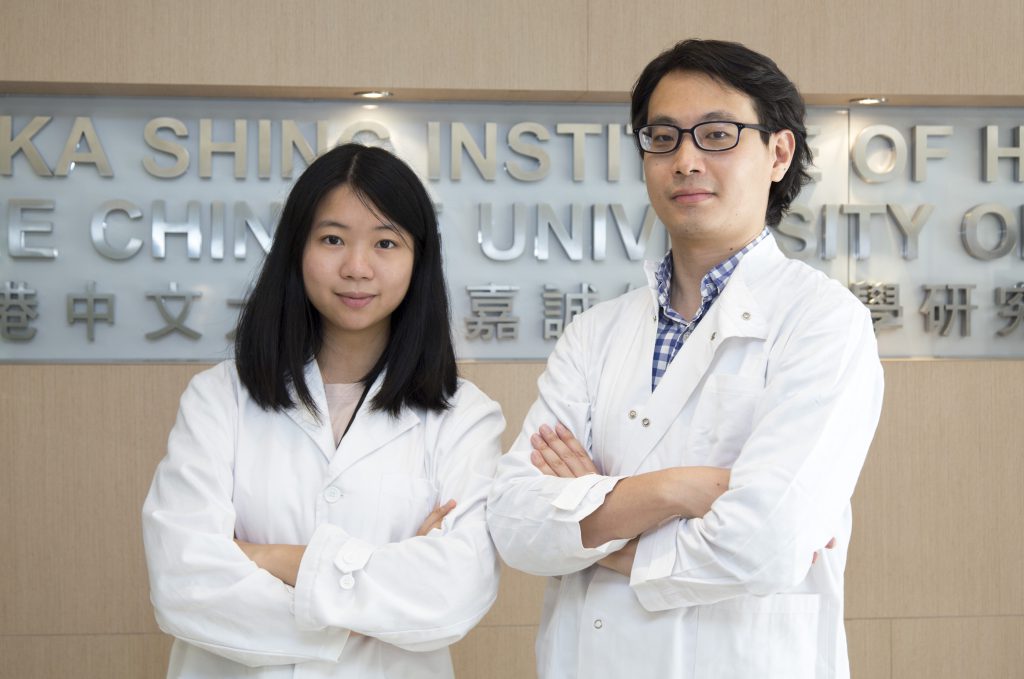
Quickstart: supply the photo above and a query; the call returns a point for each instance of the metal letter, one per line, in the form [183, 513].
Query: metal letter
[829, 231]
[634, 245]
[799, 224]
[898, 153]
[862, 227]
[263, 149]
[354, 132]
[910, 227]
[571, 239]
[217, 221]
[599, 225]
[82, 129]
[486, 163]
[247, 222]
[485, 234]
[922, 152]
[993, 152]
[238, 147]
[11, 146]
[516, 144]
[579, 132]
[18, 227]
[433, 151]
[1007, 231]
[179, 152]
[161, 227]
[614, 151]
[812, 170]
[98, 230]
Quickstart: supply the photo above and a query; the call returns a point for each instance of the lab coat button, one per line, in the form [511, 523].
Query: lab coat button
[347, 581]
[646, 422]
[632, 414]
[713, 336]
[746, 315]
[598, 624]
[332, 494]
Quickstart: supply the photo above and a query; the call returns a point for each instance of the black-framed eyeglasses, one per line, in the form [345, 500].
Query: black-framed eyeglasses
[713, 135]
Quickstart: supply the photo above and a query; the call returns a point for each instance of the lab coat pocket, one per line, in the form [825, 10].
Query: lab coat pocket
[404, 503]
[723, 419]
[770, 637]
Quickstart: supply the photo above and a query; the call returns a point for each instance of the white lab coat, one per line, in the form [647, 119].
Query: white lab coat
[781, 382]
[234, 469]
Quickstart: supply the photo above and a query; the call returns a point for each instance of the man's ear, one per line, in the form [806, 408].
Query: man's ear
[783, 146]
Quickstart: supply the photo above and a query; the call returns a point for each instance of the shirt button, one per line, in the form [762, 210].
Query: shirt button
[347, 581]
[646, 422]
[598, 624]
[713, 335]
[746, 316]
[332, 494]
[632, 414]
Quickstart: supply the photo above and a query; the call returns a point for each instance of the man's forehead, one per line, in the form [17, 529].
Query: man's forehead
[696, 96]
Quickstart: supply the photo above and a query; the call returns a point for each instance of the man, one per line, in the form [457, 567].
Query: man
[715, 423]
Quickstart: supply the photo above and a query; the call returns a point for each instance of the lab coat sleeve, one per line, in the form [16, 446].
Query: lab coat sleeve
[792, 481]
[204, 589]
[425, 592]
[535, 519]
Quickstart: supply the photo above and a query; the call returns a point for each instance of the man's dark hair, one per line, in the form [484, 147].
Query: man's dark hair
[280, 331]
[776, 100]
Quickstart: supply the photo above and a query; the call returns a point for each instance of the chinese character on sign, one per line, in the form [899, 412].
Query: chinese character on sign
[559, 309]
[176, 323]
[18, 306]
[943, 303]
[90, 308]
[1011, 307]
[491, 309]
[883, 301]
[234, 304]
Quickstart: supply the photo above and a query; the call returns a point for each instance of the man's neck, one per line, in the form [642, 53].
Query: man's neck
[691, 261]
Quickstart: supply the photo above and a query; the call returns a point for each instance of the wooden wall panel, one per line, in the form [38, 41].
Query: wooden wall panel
[869, 643]
[84, 656]
[939, 512]
[955, 648]
[905, 50]
[334, 47]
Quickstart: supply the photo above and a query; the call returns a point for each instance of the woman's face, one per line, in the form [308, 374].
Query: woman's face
[356, 267]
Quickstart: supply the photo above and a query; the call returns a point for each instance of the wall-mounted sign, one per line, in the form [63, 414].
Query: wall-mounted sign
[130, 229]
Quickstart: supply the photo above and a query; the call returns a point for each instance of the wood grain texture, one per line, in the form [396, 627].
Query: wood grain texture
[954, 648]
[869, 643]
[939, 512]
[85, 656]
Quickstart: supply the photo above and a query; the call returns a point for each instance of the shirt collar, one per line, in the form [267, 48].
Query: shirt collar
[711, 285]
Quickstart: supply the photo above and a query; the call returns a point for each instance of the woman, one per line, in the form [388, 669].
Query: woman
[320, 510]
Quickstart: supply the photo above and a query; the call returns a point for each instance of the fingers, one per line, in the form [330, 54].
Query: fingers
[435, 517]
[558, 453]
[831, 544]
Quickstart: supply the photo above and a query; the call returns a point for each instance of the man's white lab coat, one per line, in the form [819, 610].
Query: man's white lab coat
[235, 470]
[781, 382]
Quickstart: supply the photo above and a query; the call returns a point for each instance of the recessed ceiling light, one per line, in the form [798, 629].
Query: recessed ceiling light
[373, 94]
[868, 101]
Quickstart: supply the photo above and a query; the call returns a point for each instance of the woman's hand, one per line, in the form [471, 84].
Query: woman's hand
[435, 517]
[281, 561]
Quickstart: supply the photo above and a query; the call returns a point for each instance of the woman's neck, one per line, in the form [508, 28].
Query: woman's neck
[346, 358]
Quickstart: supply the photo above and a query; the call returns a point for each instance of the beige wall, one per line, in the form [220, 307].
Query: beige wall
[936, 51]
[935, 580]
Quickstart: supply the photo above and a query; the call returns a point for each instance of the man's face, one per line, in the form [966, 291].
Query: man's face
[711, 199]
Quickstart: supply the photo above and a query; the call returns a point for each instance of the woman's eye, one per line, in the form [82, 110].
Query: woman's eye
[387, 244]
[332, 240]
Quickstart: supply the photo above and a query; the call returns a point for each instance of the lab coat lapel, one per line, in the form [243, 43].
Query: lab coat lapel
[370, 431]
[318, 429]
[734, 314]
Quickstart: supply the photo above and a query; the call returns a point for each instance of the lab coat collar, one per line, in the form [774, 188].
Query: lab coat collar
[370, 430]
[735, 314]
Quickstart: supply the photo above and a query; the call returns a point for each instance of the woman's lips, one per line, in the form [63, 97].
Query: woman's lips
[356, 300]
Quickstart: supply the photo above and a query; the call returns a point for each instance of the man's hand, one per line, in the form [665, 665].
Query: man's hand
[556, 452]
[435, 517]
[622, 560]
[830, 545]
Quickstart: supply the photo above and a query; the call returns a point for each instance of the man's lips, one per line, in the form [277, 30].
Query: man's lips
[355, 300]
[691, 196]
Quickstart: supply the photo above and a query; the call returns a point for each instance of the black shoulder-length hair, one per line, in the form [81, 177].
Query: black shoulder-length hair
[777, 101]
[280, 331]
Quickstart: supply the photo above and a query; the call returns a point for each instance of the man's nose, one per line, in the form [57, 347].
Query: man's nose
[688, 158]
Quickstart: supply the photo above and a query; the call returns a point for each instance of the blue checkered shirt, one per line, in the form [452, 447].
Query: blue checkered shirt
[673, 329]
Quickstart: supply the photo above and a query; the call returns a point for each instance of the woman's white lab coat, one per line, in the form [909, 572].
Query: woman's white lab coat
[235, 470]
[781, 382]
